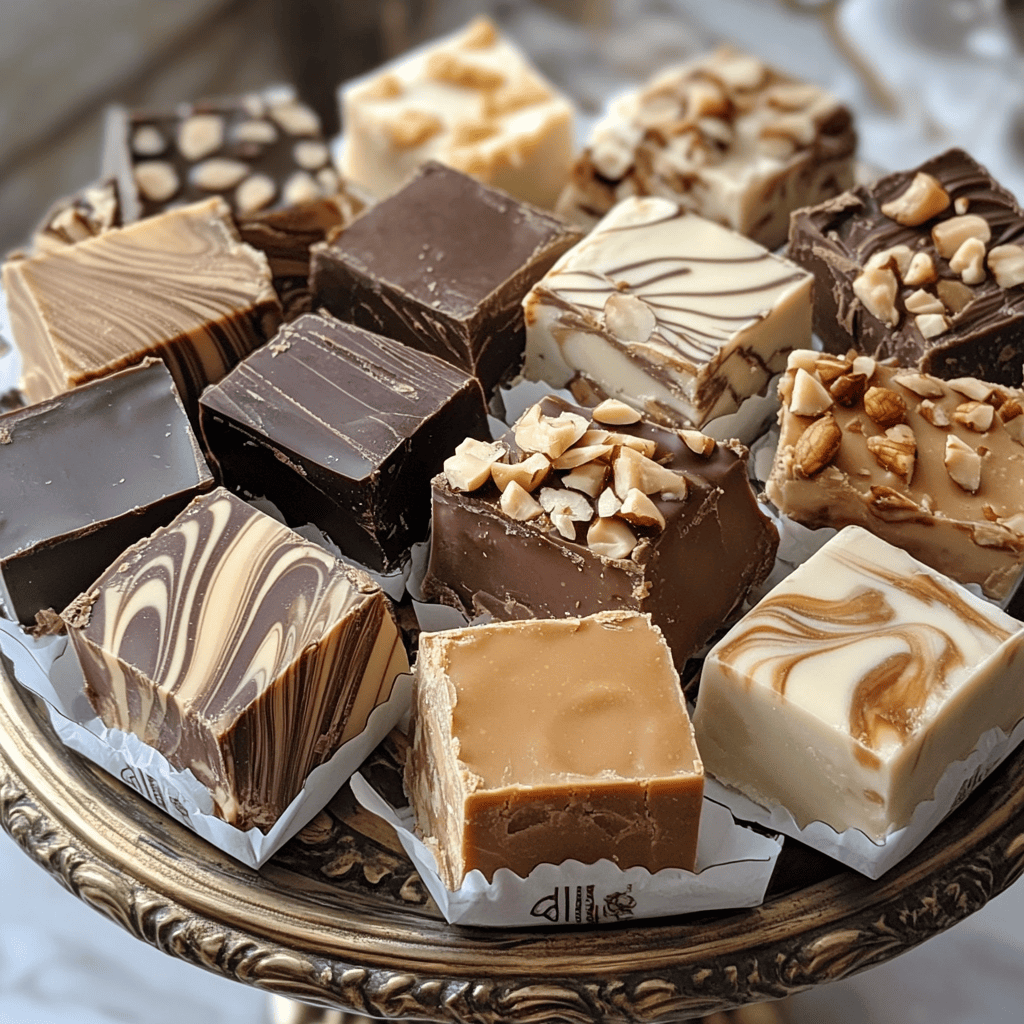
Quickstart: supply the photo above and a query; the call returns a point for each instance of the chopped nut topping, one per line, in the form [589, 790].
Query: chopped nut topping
[818, 445]
[517, 503]
[895, 451]
[865, 365]
[697, 442]
[971, 387]
[579, 455]
[897, 259]
[876, 289]
[803, 359]
[608, 503]
[526, 92]
[644, 445]
[629, 318]
[976, 416]
[891, 505]
[615, 413]
[923, 199]
[611, 538]
[1010, 410]
[254, 193]
[809, 397]
[920, 384]
[468, 133]
[528, 474]
[955, 295]
[218, 173]
[639, 510]
[963, 464]
[936, 415]
[296, 118]
[157, 181]
[949, 235]
[200, 135]
[704, 99]
[961, 204]
[1007, 265]
[921, 271]
[931, 325]
[450, 68]
[849, 389]
[829, 368]
[884, 406]
[791, 95]
[969, 261]
[465, 472]
[589, 478]
[566, 508]
[385, 87]
[924, 302]
[552, 435]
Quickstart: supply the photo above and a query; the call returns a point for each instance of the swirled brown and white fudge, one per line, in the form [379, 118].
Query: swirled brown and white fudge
[237, 649]
[472, 101]
[935, 467]
[667, 311]
[576, 511]
[180, 285]
[539, 741]
[726, 136]
[925, 266]
[847, 691]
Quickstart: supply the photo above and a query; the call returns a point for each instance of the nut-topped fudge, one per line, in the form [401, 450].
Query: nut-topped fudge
[342, 428]
[576, 511]
[925, 266]
[237, 649]
[728, 137]
[443, 265]
[471, 100]
[935, 467]
[668, 311]
[539, 741]
[854, 684]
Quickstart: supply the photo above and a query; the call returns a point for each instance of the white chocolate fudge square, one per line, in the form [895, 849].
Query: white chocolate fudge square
[670, 312]
[472, 101]
[846, 692]
[726, 135]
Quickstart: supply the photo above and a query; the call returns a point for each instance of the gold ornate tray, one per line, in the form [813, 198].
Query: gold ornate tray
[340, 918]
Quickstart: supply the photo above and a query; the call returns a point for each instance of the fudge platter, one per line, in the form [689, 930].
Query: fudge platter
[654, 483]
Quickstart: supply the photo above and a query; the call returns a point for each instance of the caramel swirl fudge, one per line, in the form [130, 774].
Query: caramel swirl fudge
[845, 693]
[935, 467]
[539, 741]
[577, 511]
[472, 101]
[238, 650]
[668, 312]
[924, 266]
[727, 137]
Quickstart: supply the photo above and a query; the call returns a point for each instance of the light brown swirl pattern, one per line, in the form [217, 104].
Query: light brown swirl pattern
[181, 286]
[846, 692]
[668, 311]
[238, 650]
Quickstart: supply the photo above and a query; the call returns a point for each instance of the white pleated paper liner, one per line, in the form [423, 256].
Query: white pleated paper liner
[873, 857]
[48, 667]
[734, 866]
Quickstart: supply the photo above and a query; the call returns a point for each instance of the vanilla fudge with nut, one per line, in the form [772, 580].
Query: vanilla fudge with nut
[576, 511]
[854, 684]
[539, 741]
[924, 266]
[726, 135]
[471, 100]
[667, 311]
[936, 467]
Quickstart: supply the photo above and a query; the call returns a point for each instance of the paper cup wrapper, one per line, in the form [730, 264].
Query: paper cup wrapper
[734, 866]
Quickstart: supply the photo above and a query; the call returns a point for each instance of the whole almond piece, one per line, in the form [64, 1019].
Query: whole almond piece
[818, 445]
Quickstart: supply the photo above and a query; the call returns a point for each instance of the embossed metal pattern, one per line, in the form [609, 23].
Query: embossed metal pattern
[339, 918]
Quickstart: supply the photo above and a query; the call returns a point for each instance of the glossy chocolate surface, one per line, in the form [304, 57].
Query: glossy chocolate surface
[85, 474]
[443, 266]
[342, 428]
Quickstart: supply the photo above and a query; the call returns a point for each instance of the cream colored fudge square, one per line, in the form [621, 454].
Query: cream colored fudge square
[472, 101]
[668, 311]
[845, 693]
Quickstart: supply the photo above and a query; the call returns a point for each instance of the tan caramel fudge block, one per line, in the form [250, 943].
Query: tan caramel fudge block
[668, 311]
[237, 649]
[935, 467]
[181, 286]
[543, 740]
[728, 137]
[845, 693]
[472, 101]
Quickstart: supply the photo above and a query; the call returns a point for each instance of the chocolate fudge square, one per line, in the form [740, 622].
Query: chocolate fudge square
[443, 266]
[925, 266]
[342, 428]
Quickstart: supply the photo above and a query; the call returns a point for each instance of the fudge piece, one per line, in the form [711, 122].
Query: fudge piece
[181, 286]
[667, 311]
[924, 266]
[443, 265]
[934, 467]
[344, 429]
[576, 511]
[471, 101]
[847, 691]
[238, 650]
[539, 741]
[84, 475]
[262, 152]
[728, 137]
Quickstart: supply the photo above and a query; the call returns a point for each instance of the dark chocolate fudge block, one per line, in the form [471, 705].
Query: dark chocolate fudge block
[237, 649]
[925, 266]
[577, 511]
[443, 265]
[86, 474]
[344, 429]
